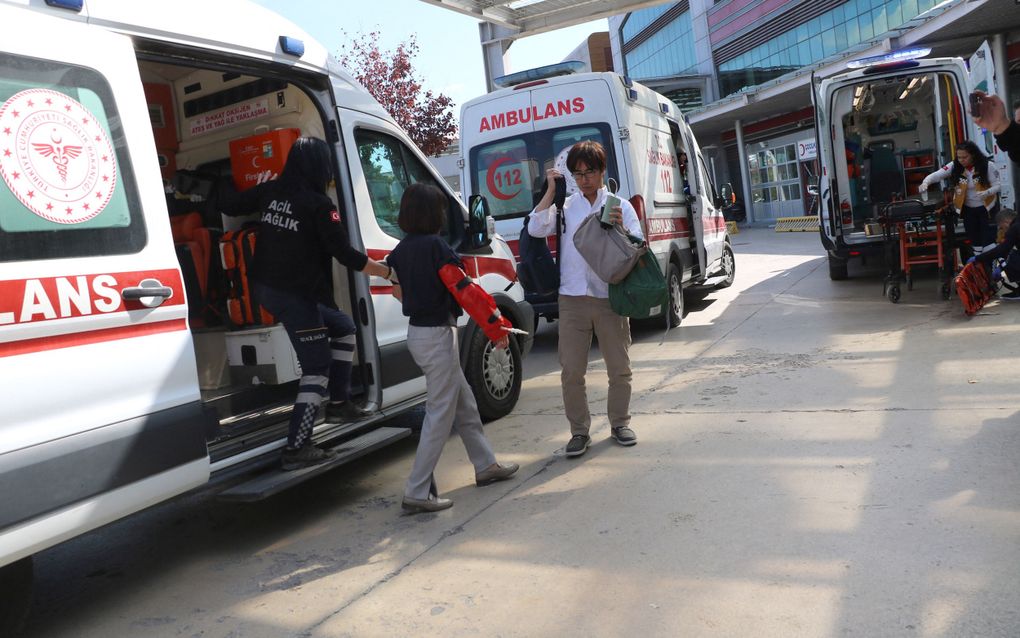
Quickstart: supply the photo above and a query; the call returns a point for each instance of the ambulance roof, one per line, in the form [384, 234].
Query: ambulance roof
[235, 27]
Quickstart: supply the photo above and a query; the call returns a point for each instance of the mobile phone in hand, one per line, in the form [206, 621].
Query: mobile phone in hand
[975, 105]
[612, 201]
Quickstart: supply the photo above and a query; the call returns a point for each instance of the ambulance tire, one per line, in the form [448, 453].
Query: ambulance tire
[15, 595]
[729, 264]
[494, 375]
[837, 268]
[674, 281]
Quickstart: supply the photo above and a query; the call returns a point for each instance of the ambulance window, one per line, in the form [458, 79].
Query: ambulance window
[507, 176]
[390, 167]
[66, 186]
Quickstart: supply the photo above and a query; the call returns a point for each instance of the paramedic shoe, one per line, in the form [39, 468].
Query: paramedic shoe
[498, 472]
[431, 504]
[344, 412]
[1011, 296]
[305, 456]
[577, 445]
[624, 435]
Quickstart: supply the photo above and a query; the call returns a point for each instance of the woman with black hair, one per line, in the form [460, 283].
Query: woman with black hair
[420, 259]
[300, 233]
[976, 182]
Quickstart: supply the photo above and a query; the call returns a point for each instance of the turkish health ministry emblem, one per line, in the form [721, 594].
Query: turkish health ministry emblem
[55, 156]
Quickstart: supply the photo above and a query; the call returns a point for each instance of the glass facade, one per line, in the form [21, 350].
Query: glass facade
[638, 20]
[669, 52]
[845, 26]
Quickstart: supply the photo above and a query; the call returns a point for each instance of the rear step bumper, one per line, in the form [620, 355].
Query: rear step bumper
[276, 480]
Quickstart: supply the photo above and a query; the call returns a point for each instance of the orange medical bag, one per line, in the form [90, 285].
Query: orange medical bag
[260, 158]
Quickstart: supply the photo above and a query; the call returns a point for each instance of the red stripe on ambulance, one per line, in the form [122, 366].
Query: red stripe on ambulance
[72, 339]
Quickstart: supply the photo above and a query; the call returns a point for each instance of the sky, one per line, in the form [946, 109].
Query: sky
[450, 56]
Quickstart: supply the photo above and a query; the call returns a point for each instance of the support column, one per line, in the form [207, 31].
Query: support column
[998, 46]
[745, 175]
[496, 40]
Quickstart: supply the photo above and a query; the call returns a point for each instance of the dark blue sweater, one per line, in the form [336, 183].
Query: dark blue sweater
[417, 260]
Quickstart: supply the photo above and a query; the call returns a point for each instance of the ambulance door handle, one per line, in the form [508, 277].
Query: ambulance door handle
[149, 292]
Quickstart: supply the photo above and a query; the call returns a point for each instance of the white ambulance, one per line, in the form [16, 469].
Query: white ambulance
[512, 135]
[882, 127]
[123, 383]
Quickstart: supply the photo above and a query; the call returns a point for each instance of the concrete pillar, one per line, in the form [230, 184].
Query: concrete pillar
[745, 175]
[496, 40]
[998, 46]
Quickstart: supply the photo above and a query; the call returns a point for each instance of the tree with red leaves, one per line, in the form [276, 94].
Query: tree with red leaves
[389, 77]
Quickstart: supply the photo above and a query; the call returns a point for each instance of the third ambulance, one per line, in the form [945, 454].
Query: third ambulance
[884, 125]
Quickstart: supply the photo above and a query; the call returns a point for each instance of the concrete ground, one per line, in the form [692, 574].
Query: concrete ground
[813, 461]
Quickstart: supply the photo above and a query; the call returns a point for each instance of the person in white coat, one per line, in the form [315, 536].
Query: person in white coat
[583, 300]
[976, 181]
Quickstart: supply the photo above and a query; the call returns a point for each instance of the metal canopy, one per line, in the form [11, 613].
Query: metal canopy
[522, 18]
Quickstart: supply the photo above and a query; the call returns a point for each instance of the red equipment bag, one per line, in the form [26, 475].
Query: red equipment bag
[237, 248]
[479, 304]
[974, 287]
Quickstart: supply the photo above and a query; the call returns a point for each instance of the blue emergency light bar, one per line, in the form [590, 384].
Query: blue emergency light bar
[292, 46]
[541, 73]
[893, 58]
[73, 5]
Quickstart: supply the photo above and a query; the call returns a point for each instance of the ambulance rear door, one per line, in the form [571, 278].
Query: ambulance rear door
[982, 78]
[101, 414]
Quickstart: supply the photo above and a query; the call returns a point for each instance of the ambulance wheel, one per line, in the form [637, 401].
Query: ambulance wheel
[729, 264]
[15, 595]
[676, 295]
[837, 268]
[894, 294]
[494, 375]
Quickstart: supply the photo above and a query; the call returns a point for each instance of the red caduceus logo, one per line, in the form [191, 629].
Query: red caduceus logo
[497, 180]
[55, 156]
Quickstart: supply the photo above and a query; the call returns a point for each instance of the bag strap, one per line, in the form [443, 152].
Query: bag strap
[560, 223]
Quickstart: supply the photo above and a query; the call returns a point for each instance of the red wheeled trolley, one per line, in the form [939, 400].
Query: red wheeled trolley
[917, 233]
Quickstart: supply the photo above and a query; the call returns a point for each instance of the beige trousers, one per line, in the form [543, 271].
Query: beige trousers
[580, 318]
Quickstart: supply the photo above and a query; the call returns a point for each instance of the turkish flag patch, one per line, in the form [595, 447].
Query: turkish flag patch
[334, 215]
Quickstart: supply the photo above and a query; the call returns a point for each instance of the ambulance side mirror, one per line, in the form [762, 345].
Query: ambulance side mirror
[479, 234]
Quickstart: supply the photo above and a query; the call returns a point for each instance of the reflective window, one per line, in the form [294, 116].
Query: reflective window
[638, 20]
[66, 185]
[390, 167]
[670, 51]
[823, 36]
[510, 172]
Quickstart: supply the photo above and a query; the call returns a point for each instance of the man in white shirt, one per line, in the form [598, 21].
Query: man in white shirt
[584, 299]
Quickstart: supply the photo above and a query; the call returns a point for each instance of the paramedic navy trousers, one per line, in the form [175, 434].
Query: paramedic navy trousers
[977, 225]
[324, 339]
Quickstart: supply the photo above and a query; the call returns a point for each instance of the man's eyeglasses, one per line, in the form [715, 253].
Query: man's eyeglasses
[579, 175]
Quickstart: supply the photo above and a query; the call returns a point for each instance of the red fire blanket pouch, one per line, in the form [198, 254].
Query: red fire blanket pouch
[974, 287]
[479, 304]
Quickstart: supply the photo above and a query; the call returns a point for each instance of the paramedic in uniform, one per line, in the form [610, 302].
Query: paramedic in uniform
[584, 299]
[300, 232]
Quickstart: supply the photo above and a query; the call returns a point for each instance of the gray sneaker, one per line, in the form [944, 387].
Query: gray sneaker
[624, 436]
[577, 445]
[305, 456]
